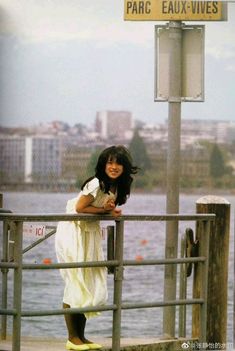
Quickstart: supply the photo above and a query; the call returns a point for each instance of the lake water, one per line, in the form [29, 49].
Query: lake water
[43, 289]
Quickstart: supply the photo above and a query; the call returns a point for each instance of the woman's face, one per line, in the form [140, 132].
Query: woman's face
[113, 169]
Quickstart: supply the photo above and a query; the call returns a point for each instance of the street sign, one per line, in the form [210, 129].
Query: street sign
[192, 67]
[175, 10]
[34, 230]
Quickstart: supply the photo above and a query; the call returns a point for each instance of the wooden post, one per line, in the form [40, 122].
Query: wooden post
[218, 271]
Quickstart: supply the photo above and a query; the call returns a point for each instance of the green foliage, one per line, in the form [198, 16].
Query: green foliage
[154, 178]
[139, 153]
[217, 164]
[89, 168]
[92, 162]
[150, 180]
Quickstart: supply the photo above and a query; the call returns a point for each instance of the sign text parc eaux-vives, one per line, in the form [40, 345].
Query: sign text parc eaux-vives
[173, 10]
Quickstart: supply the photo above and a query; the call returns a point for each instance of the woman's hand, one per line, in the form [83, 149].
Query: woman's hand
[116, 212]
[83, 205]
[109, 205]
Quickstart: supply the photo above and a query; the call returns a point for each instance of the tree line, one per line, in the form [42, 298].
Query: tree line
[221, 173]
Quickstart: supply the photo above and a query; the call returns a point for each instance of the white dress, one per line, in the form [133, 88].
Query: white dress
[79, 241]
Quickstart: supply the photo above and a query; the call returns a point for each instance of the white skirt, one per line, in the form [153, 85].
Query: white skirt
[80, 241]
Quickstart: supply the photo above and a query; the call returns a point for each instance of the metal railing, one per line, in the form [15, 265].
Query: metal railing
[13, 223]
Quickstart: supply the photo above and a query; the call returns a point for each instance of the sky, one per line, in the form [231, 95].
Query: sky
[67, 59]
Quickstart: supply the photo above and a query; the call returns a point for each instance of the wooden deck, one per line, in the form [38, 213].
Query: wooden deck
[127, 344]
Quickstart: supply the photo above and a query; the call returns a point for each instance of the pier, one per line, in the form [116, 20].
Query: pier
[127, 344]
[210, 227]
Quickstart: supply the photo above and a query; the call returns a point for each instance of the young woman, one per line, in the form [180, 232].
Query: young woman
[78, 241]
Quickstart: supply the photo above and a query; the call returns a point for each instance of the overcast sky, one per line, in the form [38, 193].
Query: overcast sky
[67, 59]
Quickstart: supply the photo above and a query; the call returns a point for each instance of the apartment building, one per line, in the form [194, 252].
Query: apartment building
[29, 159]
[12, 158]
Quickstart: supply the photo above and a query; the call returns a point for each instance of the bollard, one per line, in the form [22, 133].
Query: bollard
[216, 328]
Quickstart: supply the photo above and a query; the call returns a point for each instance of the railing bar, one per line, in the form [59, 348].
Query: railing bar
[91, 217]
[36, 313]
[103, 308]
[6, 312]
[164, 261]
[162, 304]
[70, 265]
[8, 265]
[103, 263]
[39, 241]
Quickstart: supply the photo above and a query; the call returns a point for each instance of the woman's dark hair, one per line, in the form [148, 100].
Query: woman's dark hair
[122, 156]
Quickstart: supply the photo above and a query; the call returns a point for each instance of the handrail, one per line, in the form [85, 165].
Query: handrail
[90, 217]
[118, 263]
[151, 262]
[4, 210]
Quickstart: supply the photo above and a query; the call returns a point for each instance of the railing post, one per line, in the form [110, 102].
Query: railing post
[218, 270]
[18, 234]
[110, 246]
[183, 291]
[204, 251]
[4, 279]
[5, 258]
[4, 275]
[118, 277]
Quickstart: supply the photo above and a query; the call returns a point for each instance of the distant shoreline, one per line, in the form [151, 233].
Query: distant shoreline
[182, 191]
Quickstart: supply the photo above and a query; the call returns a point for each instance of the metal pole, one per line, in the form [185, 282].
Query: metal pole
[18, 234]
[173, 170]
[183, 291]
[204, 281]
[118, 277]
[5, 258]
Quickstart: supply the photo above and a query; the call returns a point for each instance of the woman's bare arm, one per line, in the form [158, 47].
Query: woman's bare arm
[83, 205]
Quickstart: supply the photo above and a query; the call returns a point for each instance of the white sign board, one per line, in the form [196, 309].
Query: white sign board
[34, 230]
[192, 69]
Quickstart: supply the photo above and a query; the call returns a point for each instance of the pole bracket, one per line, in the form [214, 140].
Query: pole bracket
[174, 99]
[118, 273]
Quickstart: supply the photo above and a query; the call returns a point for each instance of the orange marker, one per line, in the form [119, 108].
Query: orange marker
[47, 260]
[139, 258]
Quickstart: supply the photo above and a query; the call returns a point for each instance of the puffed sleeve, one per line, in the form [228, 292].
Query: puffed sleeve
[91, 187]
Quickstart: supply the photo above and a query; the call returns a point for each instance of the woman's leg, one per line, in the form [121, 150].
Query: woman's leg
[81, 324]
[75, 327]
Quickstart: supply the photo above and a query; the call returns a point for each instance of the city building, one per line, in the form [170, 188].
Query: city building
[12, 158]
[115, 125]
[43, 159]
[195, 130]
[29, 159]
[74, 161]
[60, 160]
[195, 164]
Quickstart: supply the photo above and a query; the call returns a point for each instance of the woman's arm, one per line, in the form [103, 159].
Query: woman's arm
[83, 205]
